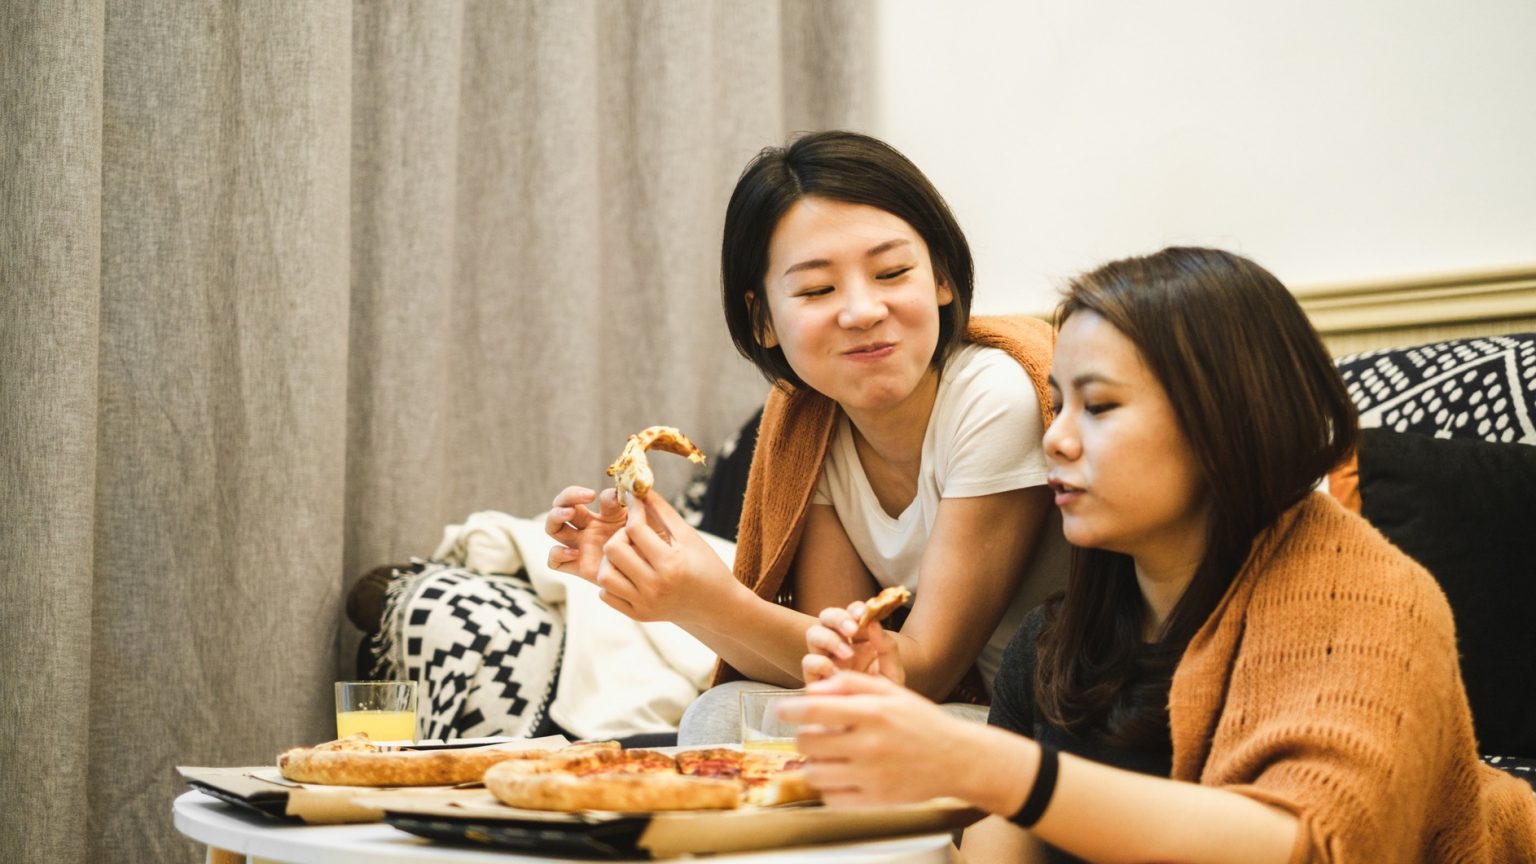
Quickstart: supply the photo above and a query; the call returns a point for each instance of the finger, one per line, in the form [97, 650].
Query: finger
[835, 713]
[814, 667]
[564, 559]
[822, 640]
[563, 523]
[833, 778]
[574, 496]
[838, 620]
[819, 742]
[850, 626]
[608, 507]
[856, 683]
[616, 584]
[665, 516]
[618, 603]
[561, 530]
[621, 557]
[642, 531]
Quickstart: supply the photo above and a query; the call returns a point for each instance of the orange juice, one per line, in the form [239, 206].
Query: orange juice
[785, 745]
[380, 725]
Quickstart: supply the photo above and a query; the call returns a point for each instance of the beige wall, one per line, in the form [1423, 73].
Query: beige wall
[1329, 140]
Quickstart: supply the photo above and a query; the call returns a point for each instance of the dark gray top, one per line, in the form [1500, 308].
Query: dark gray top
[1013, 708]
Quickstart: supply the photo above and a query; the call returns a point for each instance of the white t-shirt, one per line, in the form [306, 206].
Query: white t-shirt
[983, 437]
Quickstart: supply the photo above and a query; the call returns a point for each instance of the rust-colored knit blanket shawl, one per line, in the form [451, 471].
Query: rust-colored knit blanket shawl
[792, 443]
[1326, 683]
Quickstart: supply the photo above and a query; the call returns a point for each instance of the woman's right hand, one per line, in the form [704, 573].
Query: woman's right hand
[580, 532]
[836, 643]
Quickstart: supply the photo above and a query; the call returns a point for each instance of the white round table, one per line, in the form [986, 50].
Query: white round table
[214, 823]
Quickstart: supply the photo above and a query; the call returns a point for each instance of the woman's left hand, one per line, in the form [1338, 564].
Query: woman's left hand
[658, 568]
[870, 741]
[837, 642]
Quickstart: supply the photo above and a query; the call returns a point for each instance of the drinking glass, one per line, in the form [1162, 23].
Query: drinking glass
[385, 710]
[761, 728]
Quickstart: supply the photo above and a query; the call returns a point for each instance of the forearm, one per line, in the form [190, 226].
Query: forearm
[760, 639]
[1107, 814]
[932, 676]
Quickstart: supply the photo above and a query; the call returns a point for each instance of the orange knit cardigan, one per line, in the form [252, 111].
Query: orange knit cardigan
[792, 444]
[1326, 683]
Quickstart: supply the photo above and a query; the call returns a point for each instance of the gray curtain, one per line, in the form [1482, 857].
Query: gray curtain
[284, 288]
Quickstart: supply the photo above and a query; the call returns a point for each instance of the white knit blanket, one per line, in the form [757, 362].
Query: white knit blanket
[618, 676]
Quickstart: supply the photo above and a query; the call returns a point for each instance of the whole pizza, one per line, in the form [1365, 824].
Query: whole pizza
[357, 761]
[620, 780]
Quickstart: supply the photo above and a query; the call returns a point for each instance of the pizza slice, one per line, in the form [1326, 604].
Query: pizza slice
[880, 606]
[631, 472]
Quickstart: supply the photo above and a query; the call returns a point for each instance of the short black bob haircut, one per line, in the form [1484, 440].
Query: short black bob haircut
[839, 166]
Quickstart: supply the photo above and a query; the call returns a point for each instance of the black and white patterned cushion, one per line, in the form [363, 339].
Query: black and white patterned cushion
[1462, 388]
[484, 649]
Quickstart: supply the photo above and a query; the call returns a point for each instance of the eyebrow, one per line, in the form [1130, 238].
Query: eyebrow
[1083, 380]
[816, 263]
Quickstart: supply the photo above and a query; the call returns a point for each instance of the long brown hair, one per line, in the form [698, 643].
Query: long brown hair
[1266, 414]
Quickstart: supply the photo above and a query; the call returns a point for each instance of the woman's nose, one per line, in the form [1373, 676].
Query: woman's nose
[1060, 442]
[862, 306]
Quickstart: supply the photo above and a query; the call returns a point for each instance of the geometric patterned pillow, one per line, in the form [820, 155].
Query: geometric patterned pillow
[1525, 769]
[1483, 387]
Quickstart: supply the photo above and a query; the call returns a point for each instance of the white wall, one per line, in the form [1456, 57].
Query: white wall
[1331, 140]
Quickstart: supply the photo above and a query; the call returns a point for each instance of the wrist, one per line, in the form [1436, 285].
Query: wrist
[724, 600]
[1002, 770]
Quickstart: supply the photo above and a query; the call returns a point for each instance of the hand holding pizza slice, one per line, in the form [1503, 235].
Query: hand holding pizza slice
[841, 641]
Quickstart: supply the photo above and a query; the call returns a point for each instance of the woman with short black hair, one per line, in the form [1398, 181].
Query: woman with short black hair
[899, 445]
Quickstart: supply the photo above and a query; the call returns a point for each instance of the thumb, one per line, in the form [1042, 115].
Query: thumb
[636, 514]
[663, 510]
[608, 507]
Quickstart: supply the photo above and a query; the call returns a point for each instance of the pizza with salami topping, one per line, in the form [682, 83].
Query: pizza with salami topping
[644, 780]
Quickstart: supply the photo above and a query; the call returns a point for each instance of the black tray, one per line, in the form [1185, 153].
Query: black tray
[273, 805]
[617, 838]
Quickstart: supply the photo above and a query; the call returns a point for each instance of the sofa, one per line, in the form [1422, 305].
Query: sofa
[1446, 469]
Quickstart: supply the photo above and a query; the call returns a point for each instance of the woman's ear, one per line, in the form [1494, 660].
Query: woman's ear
[946, 294]
[765, 336]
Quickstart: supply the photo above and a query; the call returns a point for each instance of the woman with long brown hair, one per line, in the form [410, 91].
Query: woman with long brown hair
[1240, 669]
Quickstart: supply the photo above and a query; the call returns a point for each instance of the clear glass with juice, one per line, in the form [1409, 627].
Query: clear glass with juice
[384, 710]
[761, 728]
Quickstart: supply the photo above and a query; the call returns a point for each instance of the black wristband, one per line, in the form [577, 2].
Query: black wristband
[1040, 793]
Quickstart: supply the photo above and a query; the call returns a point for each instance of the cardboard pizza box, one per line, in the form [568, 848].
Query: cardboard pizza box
[477, 817]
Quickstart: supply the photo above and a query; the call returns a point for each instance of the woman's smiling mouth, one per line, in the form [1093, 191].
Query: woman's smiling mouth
[870, 351]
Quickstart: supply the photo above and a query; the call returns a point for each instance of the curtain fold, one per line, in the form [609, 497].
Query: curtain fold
[50, 280]
[286, 290]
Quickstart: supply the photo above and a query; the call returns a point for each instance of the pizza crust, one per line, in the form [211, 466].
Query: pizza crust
[403, 768]
[615, 792]
[631, 472]
[356, 761]
[880, 606]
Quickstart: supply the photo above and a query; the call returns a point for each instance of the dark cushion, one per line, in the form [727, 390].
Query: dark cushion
[727, 487]
[1466, 510]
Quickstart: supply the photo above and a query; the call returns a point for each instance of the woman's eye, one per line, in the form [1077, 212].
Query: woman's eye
[892, 274]
[815, 292]
[1097, 408]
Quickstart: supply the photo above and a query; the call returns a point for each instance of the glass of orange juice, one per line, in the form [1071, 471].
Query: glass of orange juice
[761, 728]
[385, 710]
